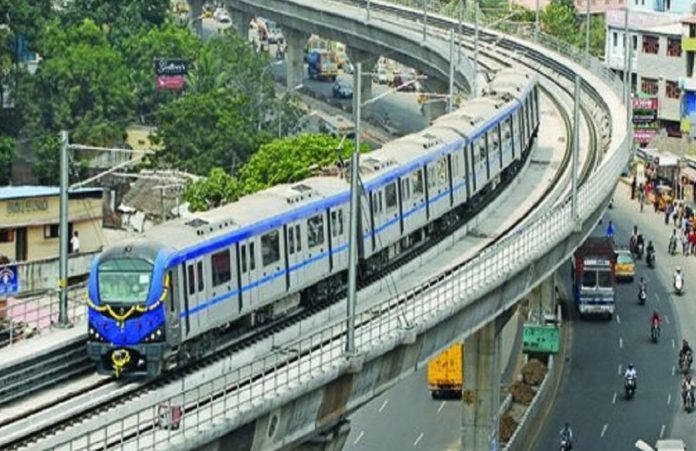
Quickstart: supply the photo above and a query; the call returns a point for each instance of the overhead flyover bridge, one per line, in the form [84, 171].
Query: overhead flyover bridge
[297, 383]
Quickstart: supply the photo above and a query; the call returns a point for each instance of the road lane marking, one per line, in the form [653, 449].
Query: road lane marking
[666, 320]
[618, 319]
[620, 342]
[384, 404]
[657, 298]
[604, 430]
[418, 439]
[613, 399]
[674, 370]
[673, 344]
[360, 436]
[619, 369]
[441, 407]
[662, 431]
[669, 399]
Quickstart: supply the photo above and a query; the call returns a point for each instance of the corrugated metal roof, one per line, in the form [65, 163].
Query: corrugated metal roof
[21, 192]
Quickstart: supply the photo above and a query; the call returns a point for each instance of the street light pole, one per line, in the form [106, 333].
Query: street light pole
[587, 27]
[425, 19]
[353, 223]
[459, 30]
[450, 99]
[63, 320]
[576, 148]
[476, 48]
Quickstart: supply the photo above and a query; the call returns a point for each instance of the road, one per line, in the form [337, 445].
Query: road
[401, 107]
[590, 396]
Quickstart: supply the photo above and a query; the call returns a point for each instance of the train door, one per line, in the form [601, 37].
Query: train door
[294, 250]
[195, 292]
[271, 266]
[172, 307]
[223, 284]
[250, 282]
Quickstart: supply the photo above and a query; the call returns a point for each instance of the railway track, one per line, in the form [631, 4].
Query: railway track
[136, 390]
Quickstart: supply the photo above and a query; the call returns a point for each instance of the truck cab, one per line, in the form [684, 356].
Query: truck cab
[594, 277]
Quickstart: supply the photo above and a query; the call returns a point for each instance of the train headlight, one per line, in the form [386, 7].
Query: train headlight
[158, 332]
[91, 331]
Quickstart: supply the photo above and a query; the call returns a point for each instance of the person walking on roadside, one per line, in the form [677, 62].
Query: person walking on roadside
[634, 183]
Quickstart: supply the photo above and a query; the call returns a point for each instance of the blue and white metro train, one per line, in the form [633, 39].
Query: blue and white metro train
[167, 298]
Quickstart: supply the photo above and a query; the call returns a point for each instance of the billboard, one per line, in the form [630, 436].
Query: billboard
[171, 73]
[9, 280]
[644, 118]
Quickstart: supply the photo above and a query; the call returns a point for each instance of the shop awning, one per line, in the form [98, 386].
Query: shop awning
[690, 173]
[662, 159]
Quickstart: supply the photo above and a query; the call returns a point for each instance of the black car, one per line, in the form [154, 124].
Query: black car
[341, 90]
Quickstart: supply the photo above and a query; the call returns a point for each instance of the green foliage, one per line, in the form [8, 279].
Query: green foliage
[46, 163]
[290, 159]
[7, 154]
[213, 191]
[201, 131]
[559, 19]
[598, 34]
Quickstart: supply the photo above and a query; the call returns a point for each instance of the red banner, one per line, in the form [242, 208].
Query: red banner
[643, 136]
[645, 103]
[171, 82]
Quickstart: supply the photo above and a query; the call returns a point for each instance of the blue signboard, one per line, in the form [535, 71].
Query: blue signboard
[9, 280]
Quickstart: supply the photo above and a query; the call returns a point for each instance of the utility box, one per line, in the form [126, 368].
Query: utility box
[540, 338]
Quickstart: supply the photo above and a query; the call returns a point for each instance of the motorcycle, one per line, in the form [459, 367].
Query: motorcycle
[679, 285]
[685, 360]
[565, 444]
[688, 398]
[630, 387]
[650, 259]
[639, 251]
[654, 333]
[642, 296]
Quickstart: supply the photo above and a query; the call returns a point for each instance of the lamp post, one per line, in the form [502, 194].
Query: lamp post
[63, 320]
[587, 27]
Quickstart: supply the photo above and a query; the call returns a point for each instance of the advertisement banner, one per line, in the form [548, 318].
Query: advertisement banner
[643, 136]
[645, 103]
[171, 73]
[644, 117]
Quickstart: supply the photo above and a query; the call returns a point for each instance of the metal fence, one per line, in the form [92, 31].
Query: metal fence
[21, 319]
[319, 357]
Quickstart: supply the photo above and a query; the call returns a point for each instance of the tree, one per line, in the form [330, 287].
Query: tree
[201, 131]
[213, 191]
[7, 154]
[598, 34]
[559, 19]
[291, 159]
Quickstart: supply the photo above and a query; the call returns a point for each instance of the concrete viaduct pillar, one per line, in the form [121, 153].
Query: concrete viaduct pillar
[369, 61]
[481, 389]
[543, 299]
[332, 440]
[294, 55]
[196, 11]
[434, 107]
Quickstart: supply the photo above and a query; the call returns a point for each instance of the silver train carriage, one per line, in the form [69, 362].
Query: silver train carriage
[170, 296]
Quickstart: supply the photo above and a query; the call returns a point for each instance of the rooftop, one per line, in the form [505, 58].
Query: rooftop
[21, 192]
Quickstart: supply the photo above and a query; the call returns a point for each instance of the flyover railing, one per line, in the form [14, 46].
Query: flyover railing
[275, 378]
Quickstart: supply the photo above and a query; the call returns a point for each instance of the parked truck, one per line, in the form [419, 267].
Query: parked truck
[594, 276]
[445, 375]
[322, 64]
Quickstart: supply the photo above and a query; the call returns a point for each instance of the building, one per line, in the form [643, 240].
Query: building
[29, 225]
[688, 80]
[656, 59]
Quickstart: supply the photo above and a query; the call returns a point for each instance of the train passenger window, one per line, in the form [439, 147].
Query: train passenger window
[244, 265]
[390, 194]
[199, 266]
[508, 128]
[252, 257]
[270, 248]
[291, 240]
[417, 179]
[222, 272]
[340, 222]
[406, 189]
[442, 171]
[191, 280]
[299, 238]
[482, 153]
[315, 231]
[492, 140]
[431, 176]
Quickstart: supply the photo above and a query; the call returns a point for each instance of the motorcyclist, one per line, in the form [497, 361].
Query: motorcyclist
[631, 373]
[650, 251]
[678, 275]
[655, 320]
[611, 230]
[685, 349]
[642, 289]
[640, 243]
[673, 242]
[687, 387]
[567, 435]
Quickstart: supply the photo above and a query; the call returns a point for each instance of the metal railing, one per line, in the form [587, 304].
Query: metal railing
[320, 357]
[21, 319]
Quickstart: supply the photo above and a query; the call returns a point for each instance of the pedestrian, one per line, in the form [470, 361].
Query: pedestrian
[685, 243]
[633, 188]
[692, 241]
[75, 243]
[668, 212]
[656, 204]
[611, 231]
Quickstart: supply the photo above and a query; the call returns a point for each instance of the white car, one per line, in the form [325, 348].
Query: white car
[382, 76]
[221, 15]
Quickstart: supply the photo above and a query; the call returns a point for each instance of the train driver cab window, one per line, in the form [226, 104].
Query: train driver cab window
[220, 262]
[315, 231]
[270, 248]
[390, 194]
[417, 181]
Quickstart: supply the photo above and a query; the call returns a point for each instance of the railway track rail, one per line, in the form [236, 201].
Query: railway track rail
[128, 392]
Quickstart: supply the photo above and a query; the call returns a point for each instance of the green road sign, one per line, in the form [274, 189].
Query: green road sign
[540, 338]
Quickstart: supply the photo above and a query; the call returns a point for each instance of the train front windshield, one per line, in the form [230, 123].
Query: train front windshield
[124, 281]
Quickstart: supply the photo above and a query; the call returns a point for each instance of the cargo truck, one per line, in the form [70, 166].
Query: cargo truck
[322, 64]
[594, 277]
[445, 375]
